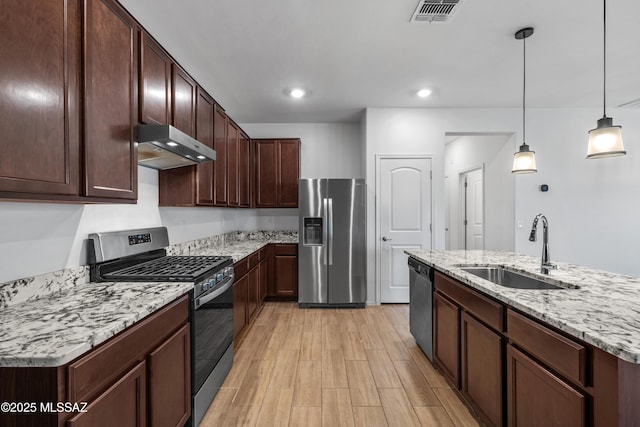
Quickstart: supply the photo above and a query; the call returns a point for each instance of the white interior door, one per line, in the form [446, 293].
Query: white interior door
[404, 221]
[474, 209]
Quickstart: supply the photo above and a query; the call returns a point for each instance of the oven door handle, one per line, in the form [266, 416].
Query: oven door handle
[213, 295]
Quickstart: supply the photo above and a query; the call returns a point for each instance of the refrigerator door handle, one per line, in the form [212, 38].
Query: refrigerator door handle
[330, 230]
[325, 240]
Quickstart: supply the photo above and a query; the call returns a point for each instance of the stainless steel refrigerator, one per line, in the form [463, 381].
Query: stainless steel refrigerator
[331, 248]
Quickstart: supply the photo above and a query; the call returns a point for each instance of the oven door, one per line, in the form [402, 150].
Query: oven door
[212, 331]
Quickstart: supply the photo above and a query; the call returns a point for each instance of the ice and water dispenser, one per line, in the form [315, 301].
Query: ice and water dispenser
[312, 232]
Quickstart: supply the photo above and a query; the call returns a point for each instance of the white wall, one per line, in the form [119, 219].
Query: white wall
[493, 152]
[328, 150]
[592, 205]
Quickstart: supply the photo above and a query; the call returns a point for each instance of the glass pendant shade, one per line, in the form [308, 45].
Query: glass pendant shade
[524, 161]
[605, 140]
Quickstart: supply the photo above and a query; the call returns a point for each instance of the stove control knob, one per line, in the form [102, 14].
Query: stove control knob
[212, 282]
[205, 286]
[220, 277]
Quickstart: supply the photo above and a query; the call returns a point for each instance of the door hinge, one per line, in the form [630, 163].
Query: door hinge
[430, 228]
[465, 222]
[430, 174]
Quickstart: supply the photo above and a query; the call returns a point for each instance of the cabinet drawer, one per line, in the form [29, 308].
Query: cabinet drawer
[101, 367]
[558, 352]
[240, 268]
[490, 312]
[253, 259]
[286, 249]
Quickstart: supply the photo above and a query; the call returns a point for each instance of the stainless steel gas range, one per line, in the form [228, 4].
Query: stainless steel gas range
[140, 255]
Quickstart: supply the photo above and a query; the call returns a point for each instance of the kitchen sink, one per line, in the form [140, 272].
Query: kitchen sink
[511, 279]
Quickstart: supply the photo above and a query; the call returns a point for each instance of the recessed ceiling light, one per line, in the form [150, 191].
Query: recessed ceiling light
[423, 93]
[297, 93]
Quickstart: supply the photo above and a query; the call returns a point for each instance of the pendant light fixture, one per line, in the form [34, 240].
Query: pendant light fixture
[606, 139]
[524, 161]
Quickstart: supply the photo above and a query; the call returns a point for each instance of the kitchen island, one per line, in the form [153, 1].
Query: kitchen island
[567, 356]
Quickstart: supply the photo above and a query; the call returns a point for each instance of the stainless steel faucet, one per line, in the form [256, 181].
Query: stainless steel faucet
[546, 264]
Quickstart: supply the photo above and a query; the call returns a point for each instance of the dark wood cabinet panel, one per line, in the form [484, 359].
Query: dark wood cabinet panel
[233, 171]
[123, 404]
[289, 173]
[244, 173]
[111, 100]
[183, 101]
[155, 82]
[536, 397]
[240, 290]
[277, 173]
[266, 187]
[253, 295]
[220, 165]
[446, 337]
[204, 134]
[40, 97]
[285, 280]
[481, 369]
[263, 277]
[170, 381]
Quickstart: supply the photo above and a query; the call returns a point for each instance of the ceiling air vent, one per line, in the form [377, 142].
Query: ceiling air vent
[435, 11]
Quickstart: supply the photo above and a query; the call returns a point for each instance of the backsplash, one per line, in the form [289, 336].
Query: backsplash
[31, 288]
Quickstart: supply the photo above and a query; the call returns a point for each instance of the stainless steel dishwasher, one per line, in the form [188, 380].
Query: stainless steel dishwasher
[421, 305]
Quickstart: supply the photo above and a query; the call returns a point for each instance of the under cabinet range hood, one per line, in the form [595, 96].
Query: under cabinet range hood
[165, 147]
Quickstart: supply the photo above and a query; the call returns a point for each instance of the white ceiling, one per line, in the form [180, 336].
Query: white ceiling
[353, 54]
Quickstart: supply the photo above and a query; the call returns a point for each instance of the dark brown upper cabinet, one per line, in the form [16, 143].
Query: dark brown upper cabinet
[244, 170]
[220, 165]
[155, 82]
[183, 99]
[277, 173]
[204, 134]
[233, 164]
[111, 100]
[40, 98]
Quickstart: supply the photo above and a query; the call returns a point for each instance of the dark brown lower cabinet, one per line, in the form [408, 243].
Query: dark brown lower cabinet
[240, 290]
[481, 369]
[170, 381]
[537, 397]
[137, 378]
[264, 275]
[446, 337]
[123, 404]
[253, 296]
[284, 283]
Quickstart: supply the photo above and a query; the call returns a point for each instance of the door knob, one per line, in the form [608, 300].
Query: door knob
[384, 239]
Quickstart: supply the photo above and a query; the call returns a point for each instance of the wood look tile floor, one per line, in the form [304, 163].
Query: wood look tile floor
[334, 367]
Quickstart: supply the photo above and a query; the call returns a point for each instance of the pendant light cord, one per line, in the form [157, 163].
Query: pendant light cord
[524, 86]
[604, 62]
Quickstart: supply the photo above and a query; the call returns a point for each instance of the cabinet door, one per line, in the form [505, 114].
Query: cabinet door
[204, 134]
[244, 161]
[263, 277]
[536, 397]
[111, 101]
[40, 96]
[155, 82]
[253, 297]
[170, 381]
[446, 337]
[220, 165]
[286, 276]
[233, 155]
[266, 185]
[240, 304]
[481, 369]
[288, 173]
[183, 99]
[123, 404]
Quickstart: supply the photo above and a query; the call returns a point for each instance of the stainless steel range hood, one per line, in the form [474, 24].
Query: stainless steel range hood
[165, 147]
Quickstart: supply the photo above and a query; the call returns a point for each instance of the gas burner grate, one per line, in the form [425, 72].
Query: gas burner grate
[169, 268]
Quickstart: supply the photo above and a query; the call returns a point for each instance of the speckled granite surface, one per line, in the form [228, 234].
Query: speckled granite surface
[54, 330]
[51, 319]
[604, 311]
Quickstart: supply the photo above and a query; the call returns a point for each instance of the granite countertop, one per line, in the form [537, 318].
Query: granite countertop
[603, 311]
[56, 317]
[54, 330]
